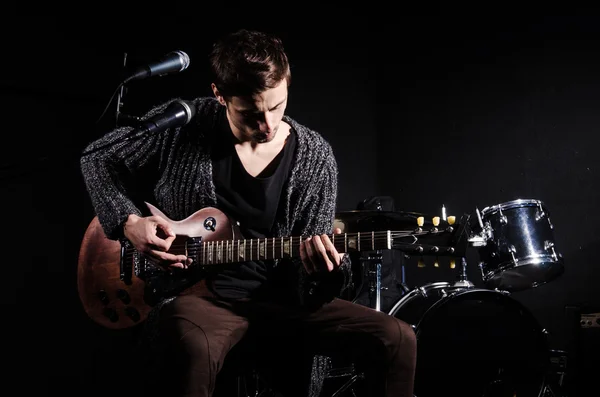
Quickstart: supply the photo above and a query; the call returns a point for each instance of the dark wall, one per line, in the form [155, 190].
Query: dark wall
[480, 114]
[430, 111]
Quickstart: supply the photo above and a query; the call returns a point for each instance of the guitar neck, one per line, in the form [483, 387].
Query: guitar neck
[231, 251]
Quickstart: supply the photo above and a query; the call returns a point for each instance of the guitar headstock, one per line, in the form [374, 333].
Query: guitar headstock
[411, 232]
[435, 236]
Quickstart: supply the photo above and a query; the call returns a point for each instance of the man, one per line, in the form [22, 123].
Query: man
[242, 155]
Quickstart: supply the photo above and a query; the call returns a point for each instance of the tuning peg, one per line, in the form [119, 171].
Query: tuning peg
[452, 263]
[436, 263]
[421, 263]
[420, 221]
[436, 221]
[451, 220]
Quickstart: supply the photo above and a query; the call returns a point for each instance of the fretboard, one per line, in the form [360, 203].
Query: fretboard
[232, 251]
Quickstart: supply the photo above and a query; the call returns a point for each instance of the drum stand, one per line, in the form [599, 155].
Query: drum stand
[373, 266]
[463, 281]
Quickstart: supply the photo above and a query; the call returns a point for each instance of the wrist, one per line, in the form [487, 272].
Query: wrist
[130, 221]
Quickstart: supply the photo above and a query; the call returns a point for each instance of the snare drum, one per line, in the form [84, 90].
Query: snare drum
[519, 252]
[473, 342]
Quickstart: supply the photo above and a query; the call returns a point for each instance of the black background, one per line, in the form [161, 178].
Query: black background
[465, 110]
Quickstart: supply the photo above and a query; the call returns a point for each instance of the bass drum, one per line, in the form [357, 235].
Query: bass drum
[473, 342]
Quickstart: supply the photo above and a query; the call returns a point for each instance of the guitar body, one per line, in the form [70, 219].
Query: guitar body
[115, 285]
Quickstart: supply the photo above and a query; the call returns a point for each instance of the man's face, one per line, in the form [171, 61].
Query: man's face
[257, 118]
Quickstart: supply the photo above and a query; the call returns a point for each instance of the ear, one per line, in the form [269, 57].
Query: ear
[217, 94]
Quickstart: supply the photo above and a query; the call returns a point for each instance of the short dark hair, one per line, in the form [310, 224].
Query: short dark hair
[248, 62]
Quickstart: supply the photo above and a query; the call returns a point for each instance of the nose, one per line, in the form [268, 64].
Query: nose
[267, 122]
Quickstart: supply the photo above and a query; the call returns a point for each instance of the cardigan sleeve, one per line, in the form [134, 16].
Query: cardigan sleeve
[110, 166]
[317, 217]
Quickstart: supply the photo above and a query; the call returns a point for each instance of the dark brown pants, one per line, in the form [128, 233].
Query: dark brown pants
[199, 331]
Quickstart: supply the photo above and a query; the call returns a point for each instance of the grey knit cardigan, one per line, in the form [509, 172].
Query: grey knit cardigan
[173, 171]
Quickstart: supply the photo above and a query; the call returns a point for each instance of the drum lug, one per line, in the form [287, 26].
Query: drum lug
[549, 245]
[503, 218]
[512, 251]
[540, 214]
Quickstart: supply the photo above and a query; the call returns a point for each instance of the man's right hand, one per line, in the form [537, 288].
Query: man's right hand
[153, 237]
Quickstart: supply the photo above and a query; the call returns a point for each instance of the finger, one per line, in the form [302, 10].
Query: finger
[313, 255]
[163, 228]
[159, 244]
[332, 252]
[321, 255]
[337, 230]
[304, 257]
[167, 257]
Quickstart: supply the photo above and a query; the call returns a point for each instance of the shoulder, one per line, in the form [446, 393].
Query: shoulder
[206, 105]
[312, 146]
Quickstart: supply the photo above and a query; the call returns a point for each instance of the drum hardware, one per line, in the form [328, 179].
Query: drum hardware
[374, 271]
[462, 278]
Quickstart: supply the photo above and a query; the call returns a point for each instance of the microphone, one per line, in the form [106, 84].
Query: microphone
[178, 113]
[173, 62]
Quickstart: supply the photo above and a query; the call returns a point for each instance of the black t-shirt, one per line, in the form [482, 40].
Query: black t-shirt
[251, 201]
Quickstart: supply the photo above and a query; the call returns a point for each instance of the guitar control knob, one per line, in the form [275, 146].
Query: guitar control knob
[210, 223]
[124, 296]
[132, 313]
[103, 297]
[111, 314]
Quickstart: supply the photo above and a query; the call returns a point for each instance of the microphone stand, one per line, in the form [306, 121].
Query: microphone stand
[122, 119]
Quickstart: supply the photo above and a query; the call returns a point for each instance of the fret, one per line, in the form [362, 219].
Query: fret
[210, 252]
[242, 253]
[345, 242]
[358, 239]
[373, 240]
[251, 242]
[353, 243]
[273, 248]
[287, 248]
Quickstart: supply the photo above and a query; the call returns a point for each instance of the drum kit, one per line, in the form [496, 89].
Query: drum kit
[472, 341]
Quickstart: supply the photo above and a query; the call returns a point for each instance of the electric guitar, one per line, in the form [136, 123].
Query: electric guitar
[118, 286]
